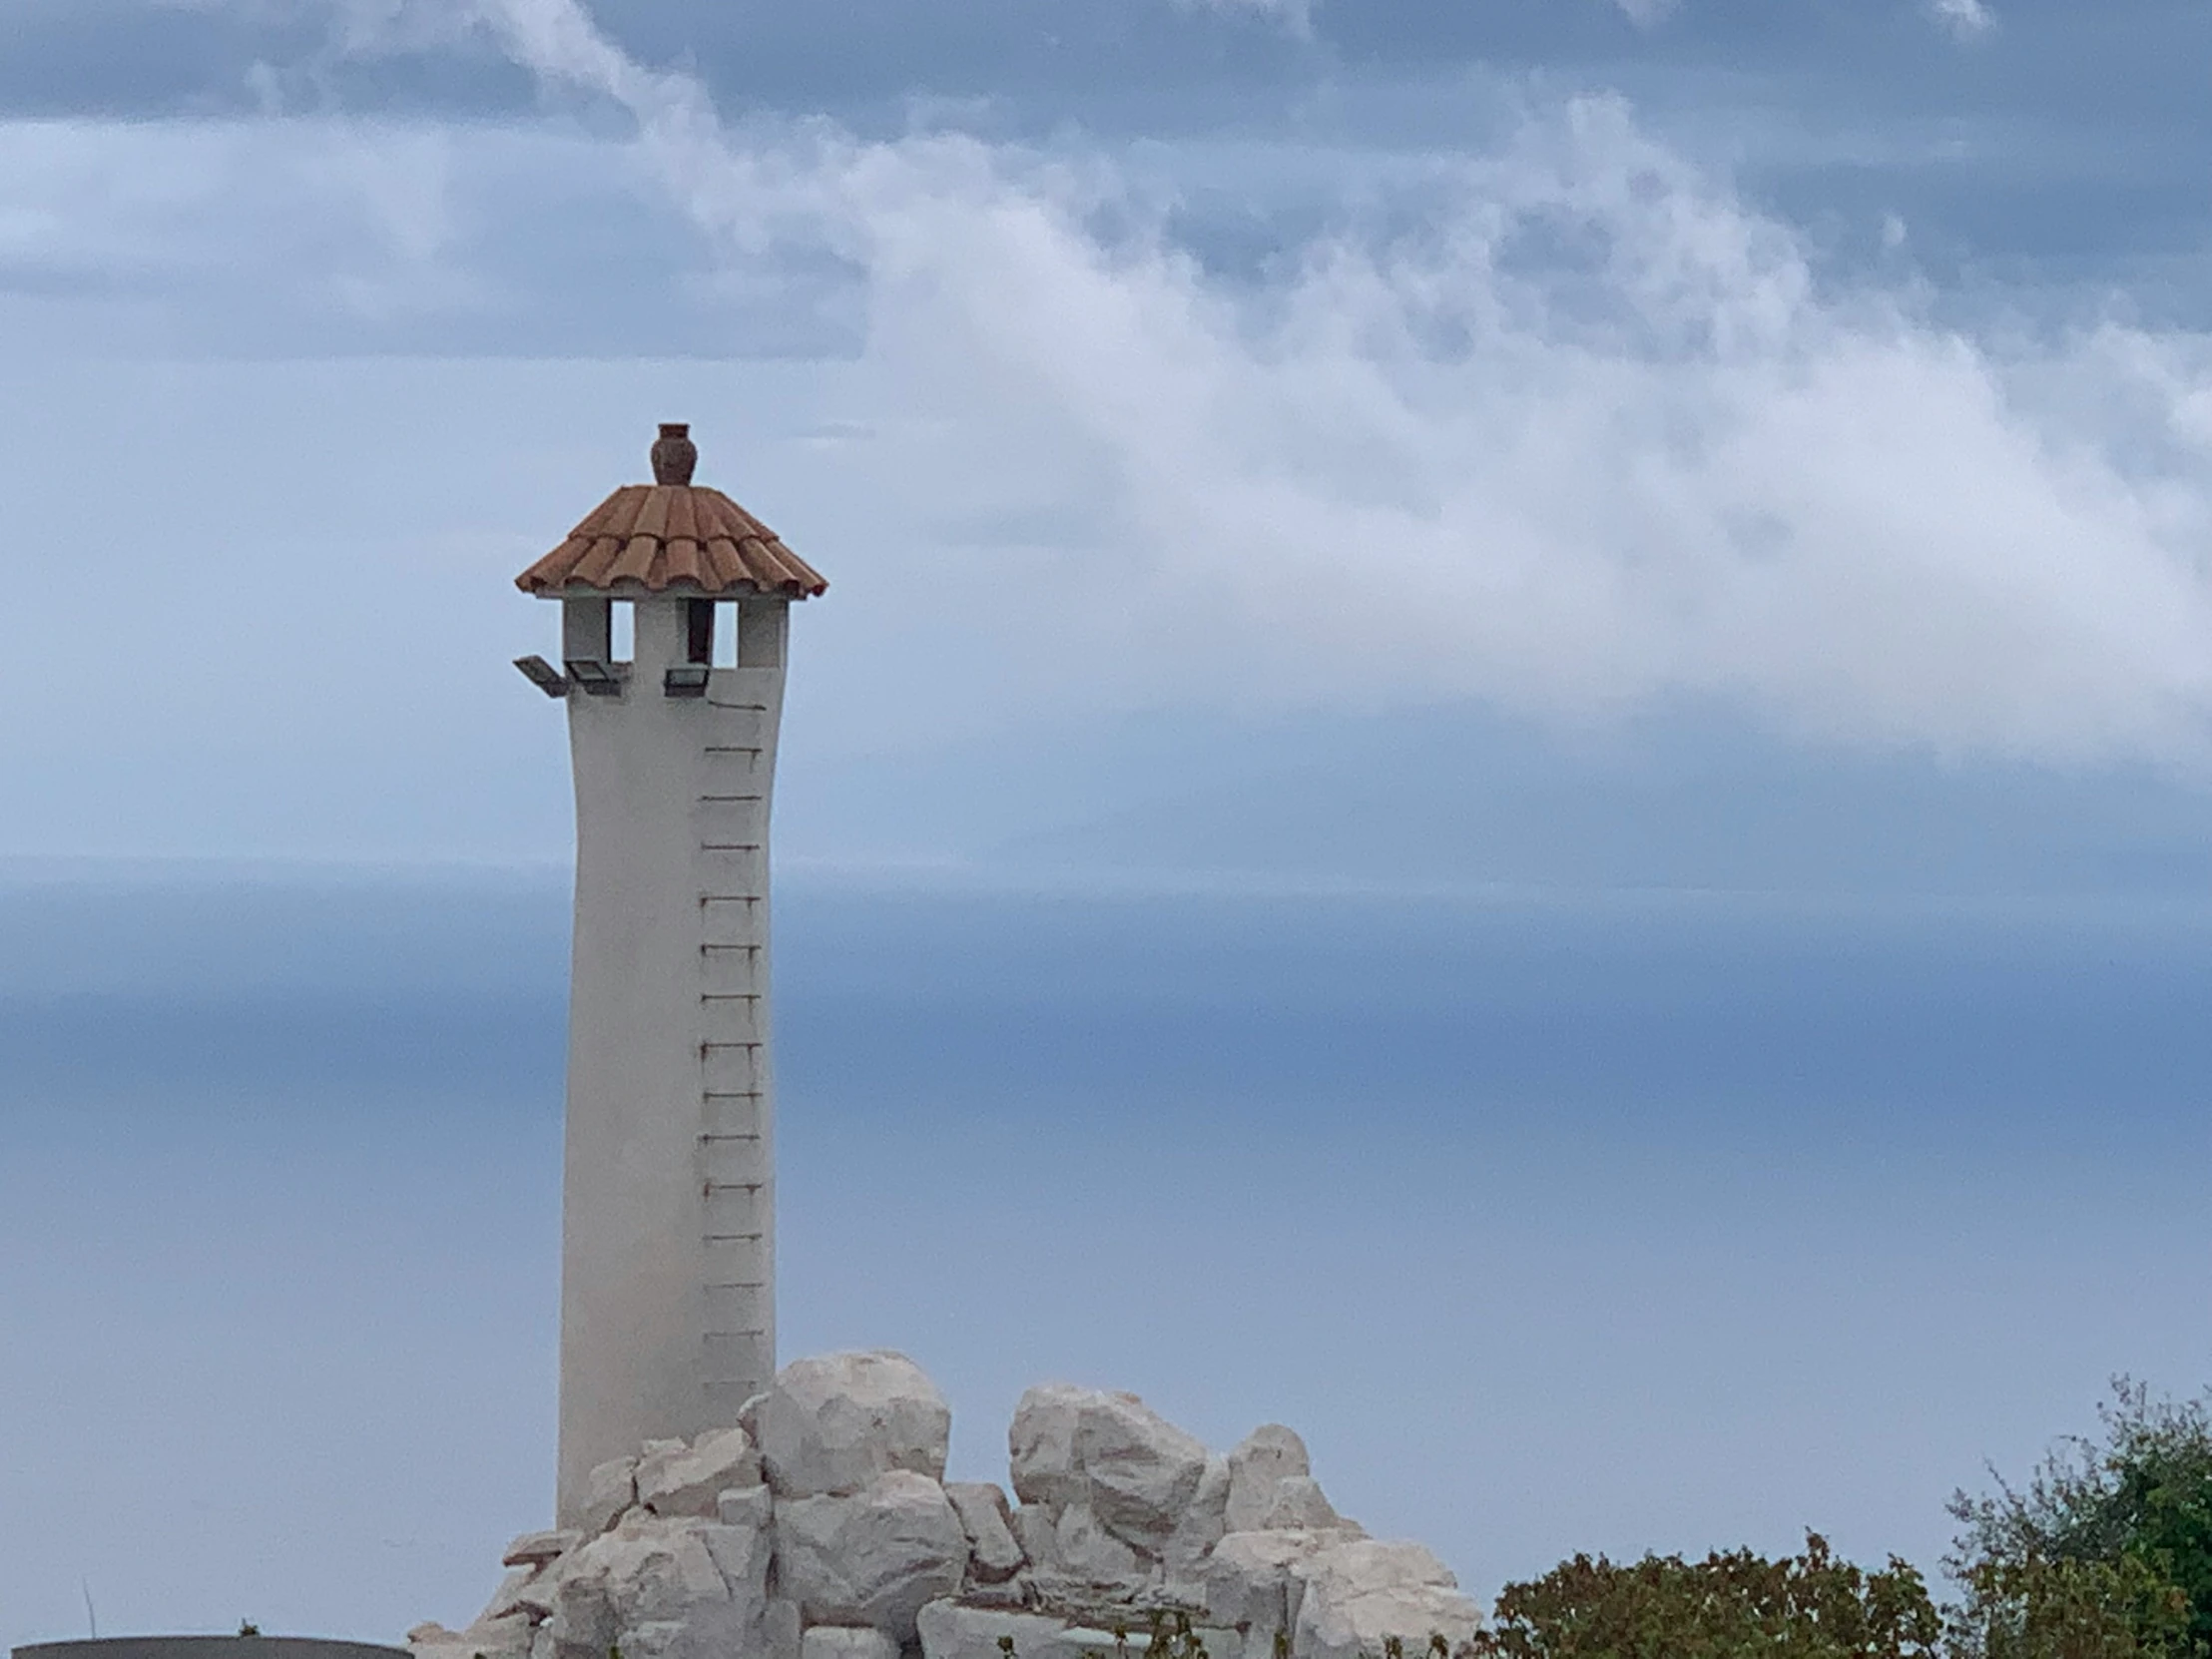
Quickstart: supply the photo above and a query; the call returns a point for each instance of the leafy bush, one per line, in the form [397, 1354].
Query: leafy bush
[1728, 1606]
[2107, 1551]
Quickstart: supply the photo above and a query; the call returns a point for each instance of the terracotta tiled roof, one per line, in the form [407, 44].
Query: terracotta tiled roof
[653, 537]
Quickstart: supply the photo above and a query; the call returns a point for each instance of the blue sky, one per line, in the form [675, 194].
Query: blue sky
[1667, 539]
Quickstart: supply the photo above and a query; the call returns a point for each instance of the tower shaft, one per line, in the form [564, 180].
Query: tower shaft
[668, 1316]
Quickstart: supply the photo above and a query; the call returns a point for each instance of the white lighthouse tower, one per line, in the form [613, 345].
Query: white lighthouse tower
[667, 1242]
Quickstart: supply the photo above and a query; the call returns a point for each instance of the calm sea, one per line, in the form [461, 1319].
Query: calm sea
[1555, 1221]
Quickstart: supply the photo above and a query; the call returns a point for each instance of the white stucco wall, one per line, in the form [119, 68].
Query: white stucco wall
[668, 1318]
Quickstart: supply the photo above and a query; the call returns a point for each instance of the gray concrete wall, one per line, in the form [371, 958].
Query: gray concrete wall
[668, 1318]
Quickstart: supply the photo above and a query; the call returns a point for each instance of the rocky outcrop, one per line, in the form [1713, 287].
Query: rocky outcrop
[679, 1479]
[1361, 1593]
[832, 1425]
[874, 1557]
[837, 1641]
[821, 1527]
[993, 1555]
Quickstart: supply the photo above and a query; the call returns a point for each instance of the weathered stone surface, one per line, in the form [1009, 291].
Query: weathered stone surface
[1297, 1502]
[1040, 1445]
[779, 1630]
[951, 1630]
[504, 1638]
[1143, 1471]
[676, 1479]
[651, 1587]
[611, 1488]
[526, 1590]
[993, 1555]
[534, 1549]
[1252, 1582]
[752, 1506]
[834, 1641]
[1087, 1553]
[743, 1554]
[832, 1425]
[874, 1557]
[1200, 1527]
[1136, 1470]
[1360, 1592]
[1033, 1527]
[1268, 1455]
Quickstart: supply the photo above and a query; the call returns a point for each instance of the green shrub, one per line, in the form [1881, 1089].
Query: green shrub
[2107, 1551]
[1727, 1606]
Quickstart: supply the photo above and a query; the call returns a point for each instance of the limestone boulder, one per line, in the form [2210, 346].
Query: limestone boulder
[1361, 1592]
[993, 1555]
[748, 1506]
[1090, 1556]
[534, 1549]
[678, 1480]
[609, 1491]
[657, 1590]
[834, 1641]
[1254, 1584]
[1040, 1445]
[1261, 1461]
[1297, 1502]
[955, 1630]
[831, 1426]
[1143, 1471]
[874, 1557]
[502, 1638]
[526, 1590]
[1200, 1526]
[1137, 1471]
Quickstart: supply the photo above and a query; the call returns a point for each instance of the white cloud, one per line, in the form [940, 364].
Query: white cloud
[1588, 435]
[1645, 14]
[1965, 19]
[1419, 468]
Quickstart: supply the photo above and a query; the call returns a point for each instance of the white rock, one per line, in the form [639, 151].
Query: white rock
[874, 1557]
[526, 1590]
[831, 1426]
[1199, 1529]
[649, 1586]
[609, 1489]
[534, 1549]
[743, 1555]
[951, 1630]
[1040, 1445]
[834, 1641]
[1032, 1525]
[1143, 1471]
[502, 1638]
[1252, 1582]
[1083, 1549]
[752, 1506]
[686, 1480]
[662, 1639]
[1360, 1592]
[993, 1555]
[779, 1630]
[1137, 1470]
[1265, 1457]
[1297, 1502]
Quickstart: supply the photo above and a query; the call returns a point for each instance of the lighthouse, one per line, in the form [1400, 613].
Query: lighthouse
[667, 1209]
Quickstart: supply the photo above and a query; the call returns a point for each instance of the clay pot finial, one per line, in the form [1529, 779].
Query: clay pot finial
[674, 454]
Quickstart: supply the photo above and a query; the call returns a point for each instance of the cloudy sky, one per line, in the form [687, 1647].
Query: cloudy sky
[1533, 676]
[1447, 408]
